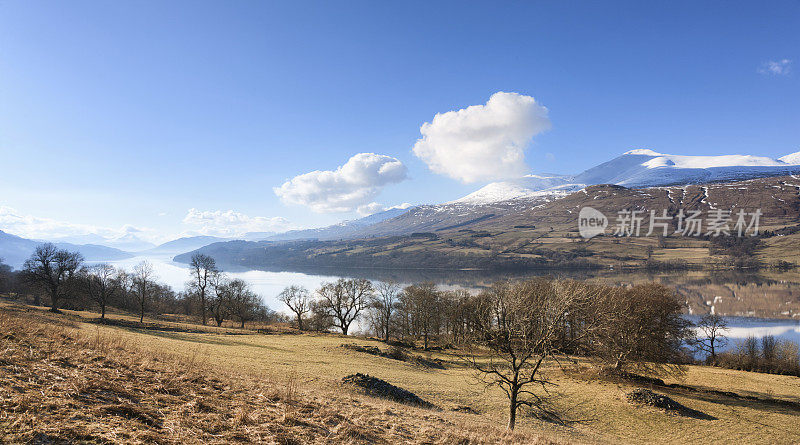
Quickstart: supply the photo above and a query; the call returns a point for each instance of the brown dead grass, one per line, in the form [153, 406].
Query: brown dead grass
[61, 384]
[178, 385]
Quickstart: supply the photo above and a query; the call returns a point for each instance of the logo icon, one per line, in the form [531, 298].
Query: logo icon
[591, 222]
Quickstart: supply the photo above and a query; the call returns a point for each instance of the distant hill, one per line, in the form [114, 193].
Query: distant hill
[127, 242]
[257, 236]
[540, 233]
[14, 250]
[345, 229]
[185, 244]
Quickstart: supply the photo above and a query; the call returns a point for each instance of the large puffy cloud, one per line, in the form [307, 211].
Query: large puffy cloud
[350, 186]
[232, 224]
[483, 142]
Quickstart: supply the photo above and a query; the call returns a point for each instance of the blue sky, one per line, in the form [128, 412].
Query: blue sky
[130, 114]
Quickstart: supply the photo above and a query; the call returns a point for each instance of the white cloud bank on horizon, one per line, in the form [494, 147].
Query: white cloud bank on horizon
[776, 67]
[231, 224]
[34, 227]
[483, 142]
[345, 189]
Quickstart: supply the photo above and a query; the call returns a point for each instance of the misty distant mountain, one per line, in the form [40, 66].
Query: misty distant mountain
[185, 244]
[257, 236]
[345, 229]
[14, 250]
[128, 242]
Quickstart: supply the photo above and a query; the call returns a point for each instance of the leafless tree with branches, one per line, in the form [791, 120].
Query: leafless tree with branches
[519, 328]
[54, 270]
[102, 282]
[384, 303]
[344, 300]
[710, 335]
[298, 300]
[143, 286]
[203, 268]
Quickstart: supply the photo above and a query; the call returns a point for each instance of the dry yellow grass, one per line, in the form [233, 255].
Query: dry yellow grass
[315, 364]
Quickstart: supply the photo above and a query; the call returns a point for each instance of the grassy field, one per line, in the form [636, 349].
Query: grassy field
[264, 377]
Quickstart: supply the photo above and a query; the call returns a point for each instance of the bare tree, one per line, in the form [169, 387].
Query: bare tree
[203, 267]
[345, 299]
[298, 300]
[384, 303]
[242, 303]
[54, 270]
[6, 276]
[642, 329]
[102, 282]
[217, 299]
[711, 335]
[423, 304]
[519, 327]
[143, 286]
[320, 320]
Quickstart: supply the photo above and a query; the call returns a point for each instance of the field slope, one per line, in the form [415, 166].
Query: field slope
[64, 377]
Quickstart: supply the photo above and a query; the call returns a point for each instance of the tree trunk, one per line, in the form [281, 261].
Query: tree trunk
[512, 409]
[54, 304]
[299, 322]
[242, 324]
[102, 311]
[141, 317]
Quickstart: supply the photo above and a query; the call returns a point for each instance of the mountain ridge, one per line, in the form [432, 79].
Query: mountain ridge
[641, 168]
[539, 233]
[14, 250]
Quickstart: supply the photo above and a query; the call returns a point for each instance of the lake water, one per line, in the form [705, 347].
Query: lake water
[753, 304]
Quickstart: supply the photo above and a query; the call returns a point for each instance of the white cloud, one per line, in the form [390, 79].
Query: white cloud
[34, 227]
[351, 185]
[232, 224]
[776, 67]
[374, 207]
[483, 142]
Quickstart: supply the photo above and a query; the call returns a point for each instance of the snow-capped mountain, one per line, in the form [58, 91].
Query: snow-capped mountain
[793, 158]
[640, 168]
[525, 187]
